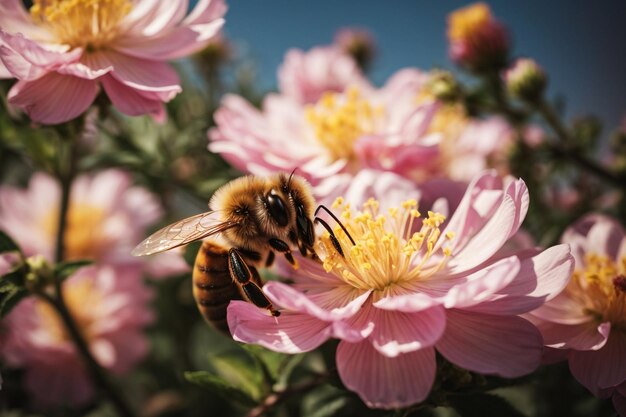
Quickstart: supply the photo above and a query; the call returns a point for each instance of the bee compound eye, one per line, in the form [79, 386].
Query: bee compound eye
[277, 209]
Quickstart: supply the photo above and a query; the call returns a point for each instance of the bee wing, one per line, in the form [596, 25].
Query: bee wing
[182, 232]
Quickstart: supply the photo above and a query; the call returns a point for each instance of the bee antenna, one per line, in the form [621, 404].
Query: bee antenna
[323, 207]
[291, 176]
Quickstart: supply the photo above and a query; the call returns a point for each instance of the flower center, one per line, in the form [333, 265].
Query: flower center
[340, 119]
[464, 22]
[389, 251]
[89, 24]
[601, 287]
[82, 300]
[83, 233]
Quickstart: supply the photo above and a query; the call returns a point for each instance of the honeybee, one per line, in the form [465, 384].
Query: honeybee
[249, 220]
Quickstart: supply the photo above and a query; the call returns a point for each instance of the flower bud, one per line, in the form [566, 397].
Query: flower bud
[359, 44]
[477, 41]
[39, 274]
[526, 80]
[443, 86]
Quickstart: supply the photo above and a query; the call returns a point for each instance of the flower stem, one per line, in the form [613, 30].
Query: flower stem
[564, 147]
[98, 374]
[276, 398]
[65, 173]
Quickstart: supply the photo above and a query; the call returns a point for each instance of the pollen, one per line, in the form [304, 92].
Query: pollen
[389, 250]
[601, 287]
[338, 120]
[89, 24]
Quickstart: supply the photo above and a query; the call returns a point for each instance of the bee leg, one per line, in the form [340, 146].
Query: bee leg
[270, 259]
[282, 247]
[248, 279]
[333, 238]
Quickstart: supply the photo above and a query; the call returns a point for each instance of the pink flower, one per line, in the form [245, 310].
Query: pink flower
[333, 134]
[306, 76]
[111, 308]
[61, 57]
[588, 319]
[107, 218]
[410, 286]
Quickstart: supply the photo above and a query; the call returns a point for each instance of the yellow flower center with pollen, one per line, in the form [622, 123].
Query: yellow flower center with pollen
[90, 24]
[463, 22]
[83, 233]
[601, 288]
[388, 253]
[82, 300]
[340, 119]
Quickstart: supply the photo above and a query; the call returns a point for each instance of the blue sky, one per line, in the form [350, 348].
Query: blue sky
[582, 44]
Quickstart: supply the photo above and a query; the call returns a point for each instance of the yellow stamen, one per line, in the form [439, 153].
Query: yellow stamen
[339, 120]
[90, 24]
[597, 287]
[387, 251]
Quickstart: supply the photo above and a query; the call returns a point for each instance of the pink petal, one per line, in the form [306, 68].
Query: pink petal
[14, 18]
[28, 60]
[139, 74]
[177, 43]
[384, 382]
[501, 345]
[585, 336]
[206, 11]
[289, 333]
[396, 332]
[482, 284]
[563, 309]
[54, 98]
[129, 101]
[540, 279]
[460, 291]
[604, 368]
[148, 18]
[287, 297]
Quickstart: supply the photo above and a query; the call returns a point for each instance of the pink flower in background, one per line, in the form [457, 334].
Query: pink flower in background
[328, 120]
[306, 76]
[110, 306]
[410, 286]
[333, 134]
[62, 52]
[588, 319]
[107, 217]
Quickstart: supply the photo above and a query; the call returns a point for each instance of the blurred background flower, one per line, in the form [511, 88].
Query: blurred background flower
[110, 306]
[107, 217]
[61, 58]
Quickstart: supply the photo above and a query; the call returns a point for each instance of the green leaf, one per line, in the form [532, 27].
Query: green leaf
[482, 404]
[7, 244]
[65, 269]
[220, 387]
[270, 361]
[10, 299]
[241, 370]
